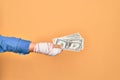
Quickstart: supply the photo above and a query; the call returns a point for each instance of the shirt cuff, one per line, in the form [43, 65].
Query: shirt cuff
[13, 44]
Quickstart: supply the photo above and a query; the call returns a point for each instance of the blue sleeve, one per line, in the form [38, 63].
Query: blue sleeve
[12, 44]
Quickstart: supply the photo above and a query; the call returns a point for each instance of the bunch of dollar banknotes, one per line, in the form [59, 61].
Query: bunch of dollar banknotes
[72, 42]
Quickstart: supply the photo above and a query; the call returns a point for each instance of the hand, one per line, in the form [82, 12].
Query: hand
[45, 48]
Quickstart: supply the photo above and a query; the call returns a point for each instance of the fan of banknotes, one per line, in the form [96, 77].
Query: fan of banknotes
[73, 42]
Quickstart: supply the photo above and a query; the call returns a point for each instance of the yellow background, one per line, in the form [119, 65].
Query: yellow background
[98, 21]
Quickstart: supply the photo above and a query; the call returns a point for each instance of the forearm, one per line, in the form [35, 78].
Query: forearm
[13, 44]
[17, 45]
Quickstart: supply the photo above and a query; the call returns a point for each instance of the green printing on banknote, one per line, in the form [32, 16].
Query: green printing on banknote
[73, 42]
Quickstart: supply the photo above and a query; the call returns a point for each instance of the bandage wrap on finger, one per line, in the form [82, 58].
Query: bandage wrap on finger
[46, 48]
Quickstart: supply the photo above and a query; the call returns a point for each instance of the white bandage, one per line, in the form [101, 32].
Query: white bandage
[46, 48]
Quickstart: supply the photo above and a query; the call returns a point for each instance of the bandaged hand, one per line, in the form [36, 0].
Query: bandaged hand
[47, 48]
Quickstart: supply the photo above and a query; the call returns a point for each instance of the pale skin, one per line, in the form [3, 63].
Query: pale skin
[32, 45]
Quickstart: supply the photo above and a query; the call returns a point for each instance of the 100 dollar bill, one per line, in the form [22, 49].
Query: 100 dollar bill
[72, 42]
[74, 45]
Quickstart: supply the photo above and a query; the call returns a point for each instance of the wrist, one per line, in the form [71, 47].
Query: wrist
[31, 46]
